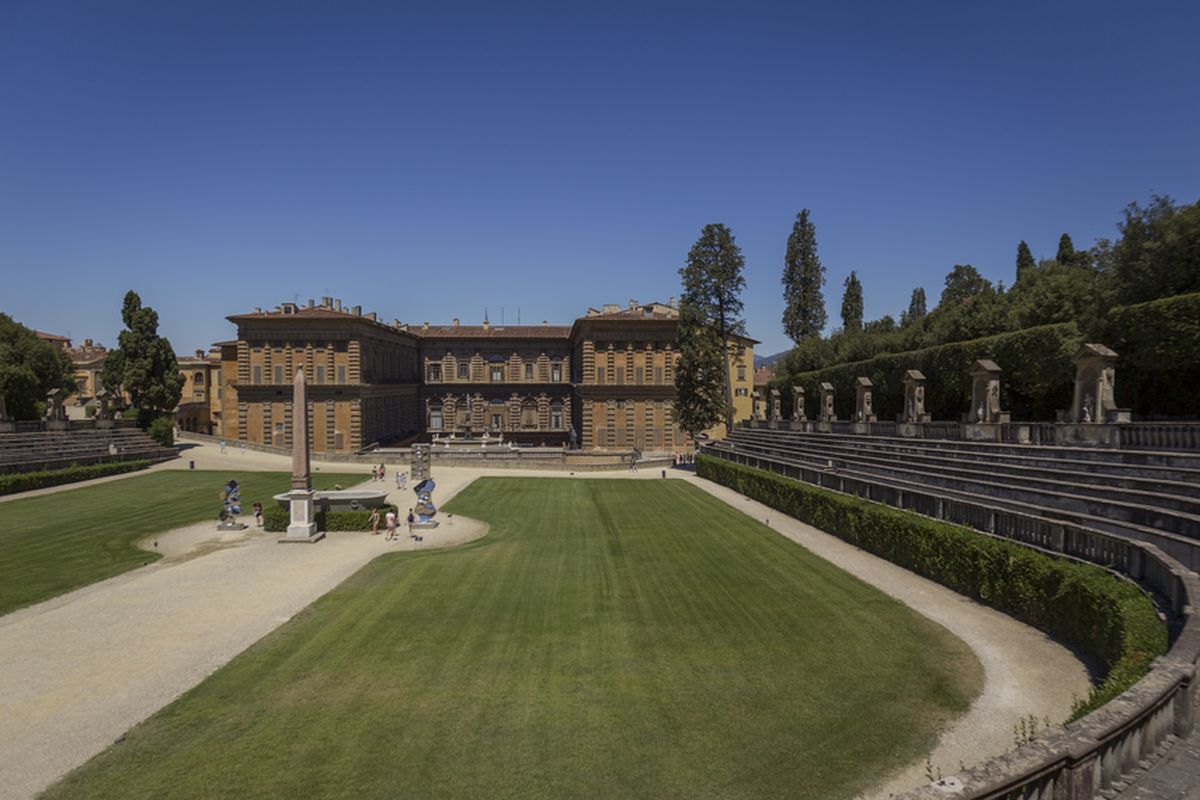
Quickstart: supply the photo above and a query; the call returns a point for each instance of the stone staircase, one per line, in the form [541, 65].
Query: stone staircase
[44, 450]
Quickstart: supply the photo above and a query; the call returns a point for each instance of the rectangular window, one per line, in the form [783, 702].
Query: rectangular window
[556, 373]
[741, 372]
[658, 375]
[528, 371]
[435, 373]
[278, 374]
[497, 375]
[620, 375]
[599, 374]
[435, 420]
[341, 373]
[637, 375]
[555, 419]
[257, 373]
[495, 420]
[464, 370]
[320, 373]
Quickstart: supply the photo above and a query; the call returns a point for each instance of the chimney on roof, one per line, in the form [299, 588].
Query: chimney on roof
[199, 354]
[311, 303]
[673, 303]
[486, 325]
[545, 324]
[456, 323]
[87, 344]
[326, 302]
[356, 311]
[397, 323]
[371, 316]
[425, 325]
[632, 305]
[337, 304]
[257, 310]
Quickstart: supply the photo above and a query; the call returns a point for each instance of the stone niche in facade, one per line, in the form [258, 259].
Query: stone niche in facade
[773, 410]
[1095, 383]
[798, 413]
[828, 414]
[984, 421]
[864, 405]
[914, 397]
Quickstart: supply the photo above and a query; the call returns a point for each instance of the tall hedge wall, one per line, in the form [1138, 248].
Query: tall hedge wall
[1159, 346]
[1038, 378]
[1082, 606]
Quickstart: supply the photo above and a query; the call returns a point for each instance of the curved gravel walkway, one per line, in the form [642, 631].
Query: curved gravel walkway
[77, 671]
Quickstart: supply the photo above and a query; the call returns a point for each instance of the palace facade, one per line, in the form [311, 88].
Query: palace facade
[605, 382]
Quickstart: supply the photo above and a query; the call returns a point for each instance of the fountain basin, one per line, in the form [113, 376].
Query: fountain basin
[341, 500]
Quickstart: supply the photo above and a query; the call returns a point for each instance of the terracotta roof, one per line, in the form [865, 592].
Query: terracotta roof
[51, 337]
[492, 331]
[763, 375]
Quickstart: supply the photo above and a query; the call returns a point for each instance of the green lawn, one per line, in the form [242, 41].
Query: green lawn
[607, 638]
[53, 543]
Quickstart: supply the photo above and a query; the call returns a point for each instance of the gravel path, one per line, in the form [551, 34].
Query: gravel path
[77, 671]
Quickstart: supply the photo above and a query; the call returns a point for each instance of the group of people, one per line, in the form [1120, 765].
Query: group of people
[380, 474]
[391, 522]
[682, 457]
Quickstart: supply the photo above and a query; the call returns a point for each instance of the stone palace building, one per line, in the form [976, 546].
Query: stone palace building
[605, 382]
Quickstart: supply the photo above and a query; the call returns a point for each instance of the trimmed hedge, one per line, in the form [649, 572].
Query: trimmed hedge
[1080, 605]
[25, 481]
[1038, 377]
[1159, 346]
[276, 519]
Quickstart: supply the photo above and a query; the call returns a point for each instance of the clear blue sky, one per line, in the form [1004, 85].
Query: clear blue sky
[428, 160]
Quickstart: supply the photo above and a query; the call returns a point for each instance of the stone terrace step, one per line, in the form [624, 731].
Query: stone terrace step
[1183, 495]
[1136, 508]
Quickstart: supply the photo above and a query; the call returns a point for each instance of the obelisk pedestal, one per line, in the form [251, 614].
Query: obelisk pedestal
[303, 525]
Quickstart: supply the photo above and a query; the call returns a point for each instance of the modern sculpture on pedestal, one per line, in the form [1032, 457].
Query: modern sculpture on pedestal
[303, 525]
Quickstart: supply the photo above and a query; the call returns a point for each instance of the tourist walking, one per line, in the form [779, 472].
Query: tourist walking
[382, 472]
[374, 473]
[399, 475]
[411, 520]
[374, 520]
[222, 447]
[391, 524]
[258, 520]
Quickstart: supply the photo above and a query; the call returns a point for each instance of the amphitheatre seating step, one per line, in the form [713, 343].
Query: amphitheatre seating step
[1183, 548]
[1180, 495]
[1139, 464]
[1059, 495]
[23, 452]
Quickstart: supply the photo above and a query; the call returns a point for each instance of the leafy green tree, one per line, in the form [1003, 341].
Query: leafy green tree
[1025, 260]
[916, 308]
[699, 375]
[803, 276]
[852, 304]
[29, 369]
[1066, 250]
[1158, 254]
[712, 287]
[143, 364]
[963, 283]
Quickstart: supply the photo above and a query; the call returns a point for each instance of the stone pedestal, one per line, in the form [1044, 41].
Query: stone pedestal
[8, 427]
[985, 393]
[861, 428]
[911, 430]
[1095, 382]
[58, 425]
[1087, 434]
[303, 527]
[982, 431]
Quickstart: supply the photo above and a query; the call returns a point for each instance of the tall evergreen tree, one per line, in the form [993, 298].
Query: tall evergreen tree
[1025, 260]
[803, 276]
[712, 287]
[916, 308]
[852, 304]
[699, 375]
[143, 364]
[1066, 251]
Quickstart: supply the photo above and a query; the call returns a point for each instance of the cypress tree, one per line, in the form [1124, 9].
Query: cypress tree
[1025, 258]
[712, 287]
[803, 276]
[852, 304]
[1066, 250]
[916, 307]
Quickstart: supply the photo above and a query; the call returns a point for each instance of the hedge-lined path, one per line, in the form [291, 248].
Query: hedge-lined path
[1025, 672]
[77, 671]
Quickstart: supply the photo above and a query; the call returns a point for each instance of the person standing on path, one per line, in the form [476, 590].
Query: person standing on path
[391, 524]
[382, 472]
[374, 473]
[258, 520]
[411, 520]
[374, 520]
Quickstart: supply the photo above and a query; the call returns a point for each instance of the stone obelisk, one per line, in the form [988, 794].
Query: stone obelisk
[303, 526]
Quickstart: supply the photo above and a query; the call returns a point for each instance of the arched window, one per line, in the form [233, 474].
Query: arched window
[198, 379]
